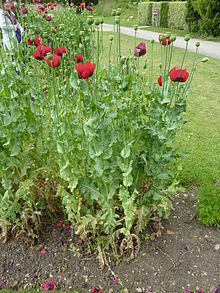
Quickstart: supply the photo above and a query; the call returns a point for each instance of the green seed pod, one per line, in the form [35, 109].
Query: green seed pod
[123, 59]
[117, 20]
[97, 21]
[81, 33]
[81, 46]
[49, 56]
[87, 39]
[168, 35]
[102, 20]
[135, 27]
[187, 38]
[118, 12]
[111, 38]
[197, 44]
[113, 12]
[30, 73]
[205, 59]
[173, 38]
[93, 29]
[160, 66]
[152, 41]
[90, 20]
[162, 38]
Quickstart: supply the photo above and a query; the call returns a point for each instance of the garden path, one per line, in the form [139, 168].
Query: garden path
[208, 48]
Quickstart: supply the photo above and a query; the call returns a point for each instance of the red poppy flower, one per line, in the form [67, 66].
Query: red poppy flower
[89, 8]
[55, 4]
[51, 7]
[60, 51]
[140, 50]
[38, 55]
[59, 224]
[160, 80]
[55, 61]
[82, 5]
[41, 52]
[96, 290]
[45, 11]
[37, 42]
[49, 18]
[12, 6]
[49, 4]
[78, 58]
[178, 75]
[24, 10]
[85, 70]
[55, 27]
[48, 286]
[165, 41]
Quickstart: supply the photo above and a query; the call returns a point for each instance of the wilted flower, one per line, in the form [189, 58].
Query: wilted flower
[140, 50]
[10, 267]
[198, 290]
[85, 70]
[186, 247]
[178, 75]
[48, 286]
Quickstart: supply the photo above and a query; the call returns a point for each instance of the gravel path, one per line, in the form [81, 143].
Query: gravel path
[208, 48]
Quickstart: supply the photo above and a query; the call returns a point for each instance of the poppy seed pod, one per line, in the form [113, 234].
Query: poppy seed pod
[117, 20]
[111, 38]
[90, 20]
[97, 21]
[197, 44]
[205, 60]
[87, 39]
[81, 46]
[152, 41]
[187, 38]
[102, 20]
[50, 56]
[162, 38]
[173, 38]
[81, 33]
[113, 12]
[168, 35]
[135, 27]
[93, 29]
[118, 12]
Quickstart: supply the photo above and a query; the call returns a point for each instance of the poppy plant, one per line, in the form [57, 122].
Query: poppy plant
[48, 286]
[37, 41]
[164, 41]
[140, 50]
[178, 75]
[60, 51]
[85, 70]
[160, 80]
[78, 58]
[55, 61]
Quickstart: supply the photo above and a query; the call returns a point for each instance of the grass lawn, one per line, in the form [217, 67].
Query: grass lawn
[200, 136]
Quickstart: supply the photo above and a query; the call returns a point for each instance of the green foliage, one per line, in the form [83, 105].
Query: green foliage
[145, 13]
[208, 206]
[176, 15]
[163, 8]
[192, 17]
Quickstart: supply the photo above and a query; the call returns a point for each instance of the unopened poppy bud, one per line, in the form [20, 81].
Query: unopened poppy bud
[81, 33]
[102, 20]
[162, 38]
[90, 20]
[87, 39]
[116, 20]
[49, 56]
[97, 21]
[160, 66]
[197, 44]
[135, 27]
[113, 12]
[152, 41]
[168, 35]
[205, 60]
[110, 38]
[81, 46]
[123, 60]
[118, 12]
[173, 38]
[187, 38]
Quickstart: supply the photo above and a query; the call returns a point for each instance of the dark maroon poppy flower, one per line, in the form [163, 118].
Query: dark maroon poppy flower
[40, 7]
[140, 50]
[63, 242]
[96, 290]
[66, 229]
[55, 61]
[60, 51]
[186, 248]
[164, 41]
[89, 7]
[160, 80]
[55, 27]
[36, 42]
[59, 224]
[24, 10]
[114, 280]
[48, 286]
[78, 58]
[178, 75]
[49, 18]
[85, 70]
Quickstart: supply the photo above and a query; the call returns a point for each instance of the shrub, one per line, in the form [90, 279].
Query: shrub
[145, 13]
[177, 15]
[192, 17]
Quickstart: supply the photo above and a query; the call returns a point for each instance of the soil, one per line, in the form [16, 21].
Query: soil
[187, 255]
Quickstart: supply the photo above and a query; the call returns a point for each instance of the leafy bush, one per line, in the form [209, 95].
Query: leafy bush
[208, 206]
[176, 15]
[145, 13]
[192, 17]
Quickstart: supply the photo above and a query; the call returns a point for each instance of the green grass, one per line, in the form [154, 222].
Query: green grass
[200, 136]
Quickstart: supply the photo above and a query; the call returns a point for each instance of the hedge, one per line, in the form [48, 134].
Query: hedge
[176, 15]
[145, 13]
[163, 8]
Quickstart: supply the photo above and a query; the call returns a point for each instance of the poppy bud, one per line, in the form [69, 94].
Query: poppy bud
[197, 44]
[93, 29]
[160, 66]
[187, 38]
[97, 21]
[49, 56]
[81, 33]
[118, 12]
[162, 38]
[102, 20]
[113, 12]
[87, 39]
[135, 27]
[152, 41]
[117, 20]
[168, 35]
[173, 38]
[111, 38]
[205, 60]
[90, 20]
[81, 46]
